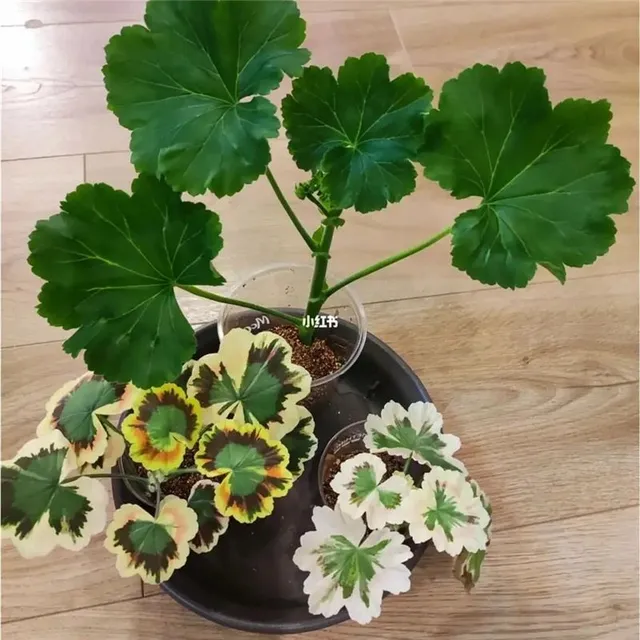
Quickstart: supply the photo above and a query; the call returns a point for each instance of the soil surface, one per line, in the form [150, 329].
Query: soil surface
[178, 485]
[394, 463]
[318, 358]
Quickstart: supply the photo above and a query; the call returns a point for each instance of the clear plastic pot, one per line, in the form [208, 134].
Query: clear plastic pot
[286, 287]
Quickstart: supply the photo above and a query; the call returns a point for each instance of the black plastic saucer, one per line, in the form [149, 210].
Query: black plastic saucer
[248, 581]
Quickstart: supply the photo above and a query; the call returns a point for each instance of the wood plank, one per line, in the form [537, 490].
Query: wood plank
[575, 580]
[32, 189]
[55, 104]
[586, 49]
[39, 13]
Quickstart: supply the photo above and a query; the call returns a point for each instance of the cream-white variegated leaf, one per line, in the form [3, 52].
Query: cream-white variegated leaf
[414, 433]
[362, 490]
[445, 510]
[347, 569]
[42, 508]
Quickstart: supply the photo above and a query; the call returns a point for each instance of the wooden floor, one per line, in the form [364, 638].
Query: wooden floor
[541, 384]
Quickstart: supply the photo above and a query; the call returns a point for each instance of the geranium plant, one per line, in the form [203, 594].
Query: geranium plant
[249, 444]
[358, 548]
[191, 85]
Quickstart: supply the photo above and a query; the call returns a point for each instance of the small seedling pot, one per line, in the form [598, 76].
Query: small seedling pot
[342, 322]
[345, 444]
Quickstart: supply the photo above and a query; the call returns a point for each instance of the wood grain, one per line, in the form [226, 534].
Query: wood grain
[541, 384]
[554, 580]
[541, 391]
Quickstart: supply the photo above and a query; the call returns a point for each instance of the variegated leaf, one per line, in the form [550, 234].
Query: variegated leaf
[301, 442]
[252, 468]
[74, 409]
[152, 548]
[413, 433]
[211, 523]
[252, 381]
[163, 424]
[41, 508]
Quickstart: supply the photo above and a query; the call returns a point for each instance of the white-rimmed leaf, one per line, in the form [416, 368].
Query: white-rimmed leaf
[348, 570]
[467, 565]
[301, 442]
[362, 491]
[444, 509]
[39, 510]
[74, 410]
[152, 548]
[251, 380]
[413, 433]
[211, 523]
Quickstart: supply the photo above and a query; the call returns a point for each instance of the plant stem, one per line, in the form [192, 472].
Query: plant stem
[318, 282]
[319, 205]
[292, 216]
[386, 262]
[158, 497]
[407, 464]
[119, 476]
[107, 424]
[196, 291]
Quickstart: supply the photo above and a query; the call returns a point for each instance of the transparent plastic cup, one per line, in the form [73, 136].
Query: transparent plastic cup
[286, 287]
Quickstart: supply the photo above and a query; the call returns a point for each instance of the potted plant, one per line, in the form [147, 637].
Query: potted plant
[192, 84]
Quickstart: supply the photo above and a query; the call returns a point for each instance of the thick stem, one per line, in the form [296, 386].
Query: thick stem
[119, 476]
[318, 283]
[196, 291]
[386, 262]
[289, 211]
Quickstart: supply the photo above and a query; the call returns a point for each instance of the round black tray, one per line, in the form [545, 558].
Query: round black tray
[248, 581]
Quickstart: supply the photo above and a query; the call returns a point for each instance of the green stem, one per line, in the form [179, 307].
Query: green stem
[407, 464]
[319, 205]
[386, 262]
[318, 282]
[196, 291]
[119, 476]
[289, 211]
[107, 424]
[158, 497]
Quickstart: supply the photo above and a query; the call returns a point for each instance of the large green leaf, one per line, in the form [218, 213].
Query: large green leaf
[361, 129]
[190, 84]
[111, 262]
[41, 506]
[547, 180]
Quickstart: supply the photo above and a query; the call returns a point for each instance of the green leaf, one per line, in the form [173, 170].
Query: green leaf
[189, 86]
[111, 262]
[301, 442]
[211, 523]
[152, 548]
[39, 509]
[163, 424]
[252, 466]
[253, 380]
[547, 180]
[362, 130]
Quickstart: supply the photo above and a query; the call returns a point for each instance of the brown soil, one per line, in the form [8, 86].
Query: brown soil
[318, 358]
[178, 485]
[394, 463]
